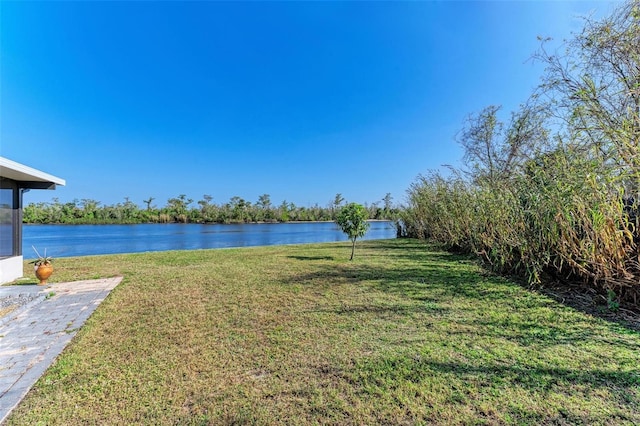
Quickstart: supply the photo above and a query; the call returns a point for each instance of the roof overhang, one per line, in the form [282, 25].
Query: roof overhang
[26, 177]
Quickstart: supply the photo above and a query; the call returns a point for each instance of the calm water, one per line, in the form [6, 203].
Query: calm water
[83, 240]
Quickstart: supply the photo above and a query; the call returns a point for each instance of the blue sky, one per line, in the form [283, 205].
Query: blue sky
[299, 100]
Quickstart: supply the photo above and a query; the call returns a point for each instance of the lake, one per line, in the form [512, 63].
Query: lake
[84, 240]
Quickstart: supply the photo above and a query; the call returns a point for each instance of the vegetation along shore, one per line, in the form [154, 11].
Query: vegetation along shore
[183, 210]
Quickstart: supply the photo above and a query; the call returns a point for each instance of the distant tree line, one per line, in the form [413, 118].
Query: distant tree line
[184, 210]
[552, 193]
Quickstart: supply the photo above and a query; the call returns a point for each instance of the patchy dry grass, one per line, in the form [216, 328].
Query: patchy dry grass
[7, 310]
[404, 334]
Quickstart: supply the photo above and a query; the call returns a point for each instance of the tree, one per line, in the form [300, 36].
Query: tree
[352, 219]
[207, 209]
[284, 211]
[335, 205]
[264, 208]
[264, 201]
[177, 208]
[239, 209]
[387, 206]
[148, 202]
[594, 90]
[89, 208]
[387, 201]
[494, 151]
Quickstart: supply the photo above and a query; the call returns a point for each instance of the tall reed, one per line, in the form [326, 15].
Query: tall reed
[562, 208]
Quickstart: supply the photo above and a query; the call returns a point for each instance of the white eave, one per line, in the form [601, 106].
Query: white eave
[28, 177]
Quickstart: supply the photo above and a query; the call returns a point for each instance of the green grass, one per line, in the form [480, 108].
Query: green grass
[404, 334]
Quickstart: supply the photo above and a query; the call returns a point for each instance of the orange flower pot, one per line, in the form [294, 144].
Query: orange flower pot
[43, 272]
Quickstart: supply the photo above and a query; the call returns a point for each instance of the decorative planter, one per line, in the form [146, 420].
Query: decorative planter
[43, 272]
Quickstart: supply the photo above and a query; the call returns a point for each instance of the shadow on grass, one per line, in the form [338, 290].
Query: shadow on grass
[419, 282]
[489, 305]
[416, 369]
[384, 310]
[311, 257]
[534, 334]
[571, 295]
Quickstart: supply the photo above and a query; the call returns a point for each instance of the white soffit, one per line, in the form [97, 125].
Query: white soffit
[21, 173]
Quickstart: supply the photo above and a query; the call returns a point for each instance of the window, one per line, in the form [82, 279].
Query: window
[8, 220]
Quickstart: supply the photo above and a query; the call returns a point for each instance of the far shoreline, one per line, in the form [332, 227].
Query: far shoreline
[198, 223]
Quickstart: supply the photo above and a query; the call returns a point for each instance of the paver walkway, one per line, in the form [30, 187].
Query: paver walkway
[32, 336]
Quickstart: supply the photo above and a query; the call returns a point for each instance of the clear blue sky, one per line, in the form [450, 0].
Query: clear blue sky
[300, 100]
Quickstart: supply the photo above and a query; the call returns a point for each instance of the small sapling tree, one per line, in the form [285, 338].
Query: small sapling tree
[352, 219]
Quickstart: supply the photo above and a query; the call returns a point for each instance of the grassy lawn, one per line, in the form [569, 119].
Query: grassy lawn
[404, 334]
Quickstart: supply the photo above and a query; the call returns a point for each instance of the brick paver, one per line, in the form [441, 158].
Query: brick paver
[34, 335]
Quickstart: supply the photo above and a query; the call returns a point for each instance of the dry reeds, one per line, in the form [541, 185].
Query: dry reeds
[566, 206]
